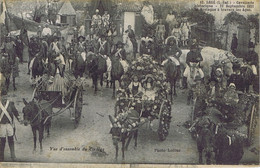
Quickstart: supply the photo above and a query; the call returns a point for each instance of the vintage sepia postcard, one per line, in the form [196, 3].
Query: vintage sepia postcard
[129, 83]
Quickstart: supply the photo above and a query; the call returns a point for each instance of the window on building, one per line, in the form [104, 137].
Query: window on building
[63, 19]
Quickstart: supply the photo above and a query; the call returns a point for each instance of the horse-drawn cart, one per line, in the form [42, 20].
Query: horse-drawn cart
[248, 108]
[150, 101]
[71, 100]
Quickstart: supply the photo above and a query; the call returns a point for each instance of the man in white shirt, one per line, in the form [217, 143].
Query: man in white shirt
[46, 31]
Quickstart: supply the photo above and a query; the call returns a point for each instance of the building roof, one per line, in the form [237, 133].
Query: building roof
[67, 9]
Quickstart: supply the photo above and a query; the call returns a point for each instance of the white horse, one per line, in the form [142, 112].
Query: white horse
[209, 55]
[129, 48]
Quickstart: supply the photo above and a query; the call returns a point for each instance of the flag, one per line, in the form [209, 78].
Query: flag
[3, 12]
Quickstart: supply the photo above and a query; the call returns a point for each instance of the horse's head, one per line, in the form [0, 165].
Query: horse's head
[115, 131]
[90, 57]
[29, 111]
[228, 62]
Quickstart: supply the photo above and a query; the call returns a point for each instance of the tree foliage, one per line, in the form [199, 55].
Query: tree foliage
[254, 20]
[234, 17]
[199, 16]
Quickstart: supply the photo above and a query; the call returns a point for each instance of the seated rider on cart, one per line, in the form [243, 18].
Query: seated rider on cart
[135, 87]
[228, 104]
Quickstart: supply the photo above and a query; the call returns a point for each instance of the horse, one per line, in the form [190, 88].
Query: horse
[205, 145]
[80, 64]
[229, 147]
[37, 115]
[209, 55]
[118, 136]
[172, 75]
[96, 66]
[36, 68]
[117, 71]
[129, 47]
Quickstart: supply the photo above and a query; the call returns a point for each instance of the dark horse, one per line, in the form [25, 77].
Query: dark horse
[96, 66]
[117, 71]
[229, 147]
[35, 114]
[79, 65]
[172, 75]
[118, 136]
[37, 67]
[205, 145]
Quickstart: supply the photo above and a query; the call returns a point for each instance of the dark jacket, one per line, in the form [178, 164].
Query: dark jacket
[252, 58]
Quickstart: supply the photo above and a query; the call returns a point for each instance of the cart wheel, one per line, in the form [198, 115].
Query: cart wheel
[78, 107]
[252, 124]
[164, 121]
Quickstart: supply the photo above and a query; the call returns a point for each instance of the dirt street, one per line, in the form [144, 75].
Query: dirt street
[67, 144]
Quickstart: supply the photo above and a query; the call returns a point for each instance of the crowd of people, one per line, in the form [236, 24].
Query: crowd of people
[50, 46]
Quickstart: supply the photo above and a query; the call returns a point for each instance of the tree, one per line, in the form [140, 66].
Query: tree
[199, 16]
[234, 17]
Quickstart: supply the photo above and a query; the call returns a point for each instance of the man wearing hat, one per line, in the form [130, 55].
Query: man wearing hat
[252, 58]
[119, 51]
[121, 54]
[81, 46]
[173, 52]
[9, 48]
[96, 19]
[193, 59]
[5, 70]
[131, 35]
[19, 48]
[234, 44]
[55, 48]
[7, 128]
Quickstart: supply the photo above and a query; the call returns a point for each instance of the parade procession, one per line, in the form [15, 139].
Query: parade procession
[129, 81]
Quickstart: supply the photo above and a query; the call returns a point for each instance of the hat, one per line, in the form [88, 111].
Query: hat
[251, 45]
[219, 69]
[232, 85]
[81, 37]
[119, 43]
[234, 34]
